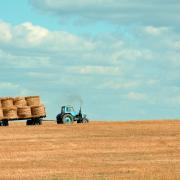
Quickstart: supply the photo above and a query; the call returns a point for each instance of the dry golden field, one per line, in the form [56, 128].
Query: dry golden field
[146, 150]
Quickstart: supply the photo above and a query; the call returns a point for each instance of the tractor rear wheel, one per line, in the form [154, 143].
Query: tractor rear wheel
[59, 119]
[67, 119]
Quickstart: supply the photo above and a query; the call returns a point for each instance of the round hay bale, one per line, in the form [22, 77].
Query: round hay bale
[33, 100]
[7, 102]
[0, 103]
[20, 102]
[1, 113]
[38, 111]
[24, 112]
[10, 113]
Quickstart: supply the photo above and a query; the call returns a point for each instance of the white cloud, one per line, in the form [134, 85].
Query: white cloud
[5, 32]
[8, 59]
[8, 85]
[41, 75]
[175, 44]
[145, 12]
[31, 34]
[95, 70]
[137, 96]
[155, 31]
[174, 100]
[131, 54]
[110, 84]
[27, 35]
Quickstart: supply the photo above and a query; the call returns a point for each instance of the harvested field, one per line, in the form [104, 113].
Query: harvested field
[147, 150]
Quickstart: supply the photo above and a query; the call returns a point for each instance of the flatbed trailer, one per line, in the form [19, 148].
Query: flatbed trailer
[34, 120]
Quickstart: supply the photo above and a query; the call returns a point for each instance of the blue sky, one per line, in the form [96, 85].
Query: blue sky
[119, 59]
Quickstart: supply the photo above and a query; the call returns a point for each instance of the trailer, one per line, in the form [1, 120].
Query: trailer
[29, 109]
[29, 121]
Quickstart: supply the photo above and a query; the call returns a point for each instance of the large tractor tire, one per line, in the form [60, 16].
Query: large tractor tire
[59, 119]
[67, 119]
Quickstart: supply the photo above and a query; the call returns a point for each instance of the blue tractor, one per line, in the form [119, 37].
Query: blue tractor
[68, 115]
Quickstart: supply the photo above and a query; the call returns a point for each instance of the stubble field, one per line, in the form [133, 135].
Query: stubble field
[145, 150]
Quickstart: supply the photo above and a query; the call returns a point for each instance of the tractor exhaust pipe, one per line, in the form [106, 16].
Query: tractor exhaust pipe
[80, 113]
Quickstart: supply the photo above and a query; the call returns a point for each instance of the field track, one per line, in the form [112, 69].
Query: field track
[146, 150]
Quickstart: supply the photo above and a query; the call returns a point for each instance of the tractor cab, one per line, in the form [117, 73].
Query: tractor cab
[68, 110]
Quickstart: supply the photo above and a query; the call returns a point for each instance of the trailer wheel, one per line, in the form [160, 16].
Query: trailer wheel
[38, 121]
[29, 122]
[5, 123]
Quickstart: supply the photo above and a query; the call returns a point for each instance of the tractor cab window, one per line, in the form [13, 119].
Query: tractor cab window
[69, 109]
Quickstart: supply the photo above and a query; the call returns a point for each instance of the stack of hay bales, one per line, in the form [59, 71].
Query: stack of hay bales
[21, 107]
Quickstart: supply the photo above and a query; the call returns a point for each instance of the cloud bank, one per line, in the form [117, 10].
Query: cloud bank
[109, 69]
[155, 12]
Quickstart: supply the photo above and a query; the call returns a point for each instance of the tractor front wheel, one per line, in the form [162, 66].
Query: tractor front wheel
[85, 120]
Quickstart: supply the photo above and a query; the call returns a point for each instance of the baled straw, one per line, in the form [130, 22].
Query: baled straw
[33, 100]
[1, 113]
[20, 102]
[10, 113]
[24, 112]
[38, 111]
[7, 102]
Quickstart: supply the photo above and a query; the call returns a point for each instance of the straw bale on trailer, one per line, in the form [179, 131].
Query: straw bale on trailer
[1, 113]
[20, 102]
[7, 102]
[38, 110]
[33, 100]
[10, 113]
[24, 112]
[0, 103]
